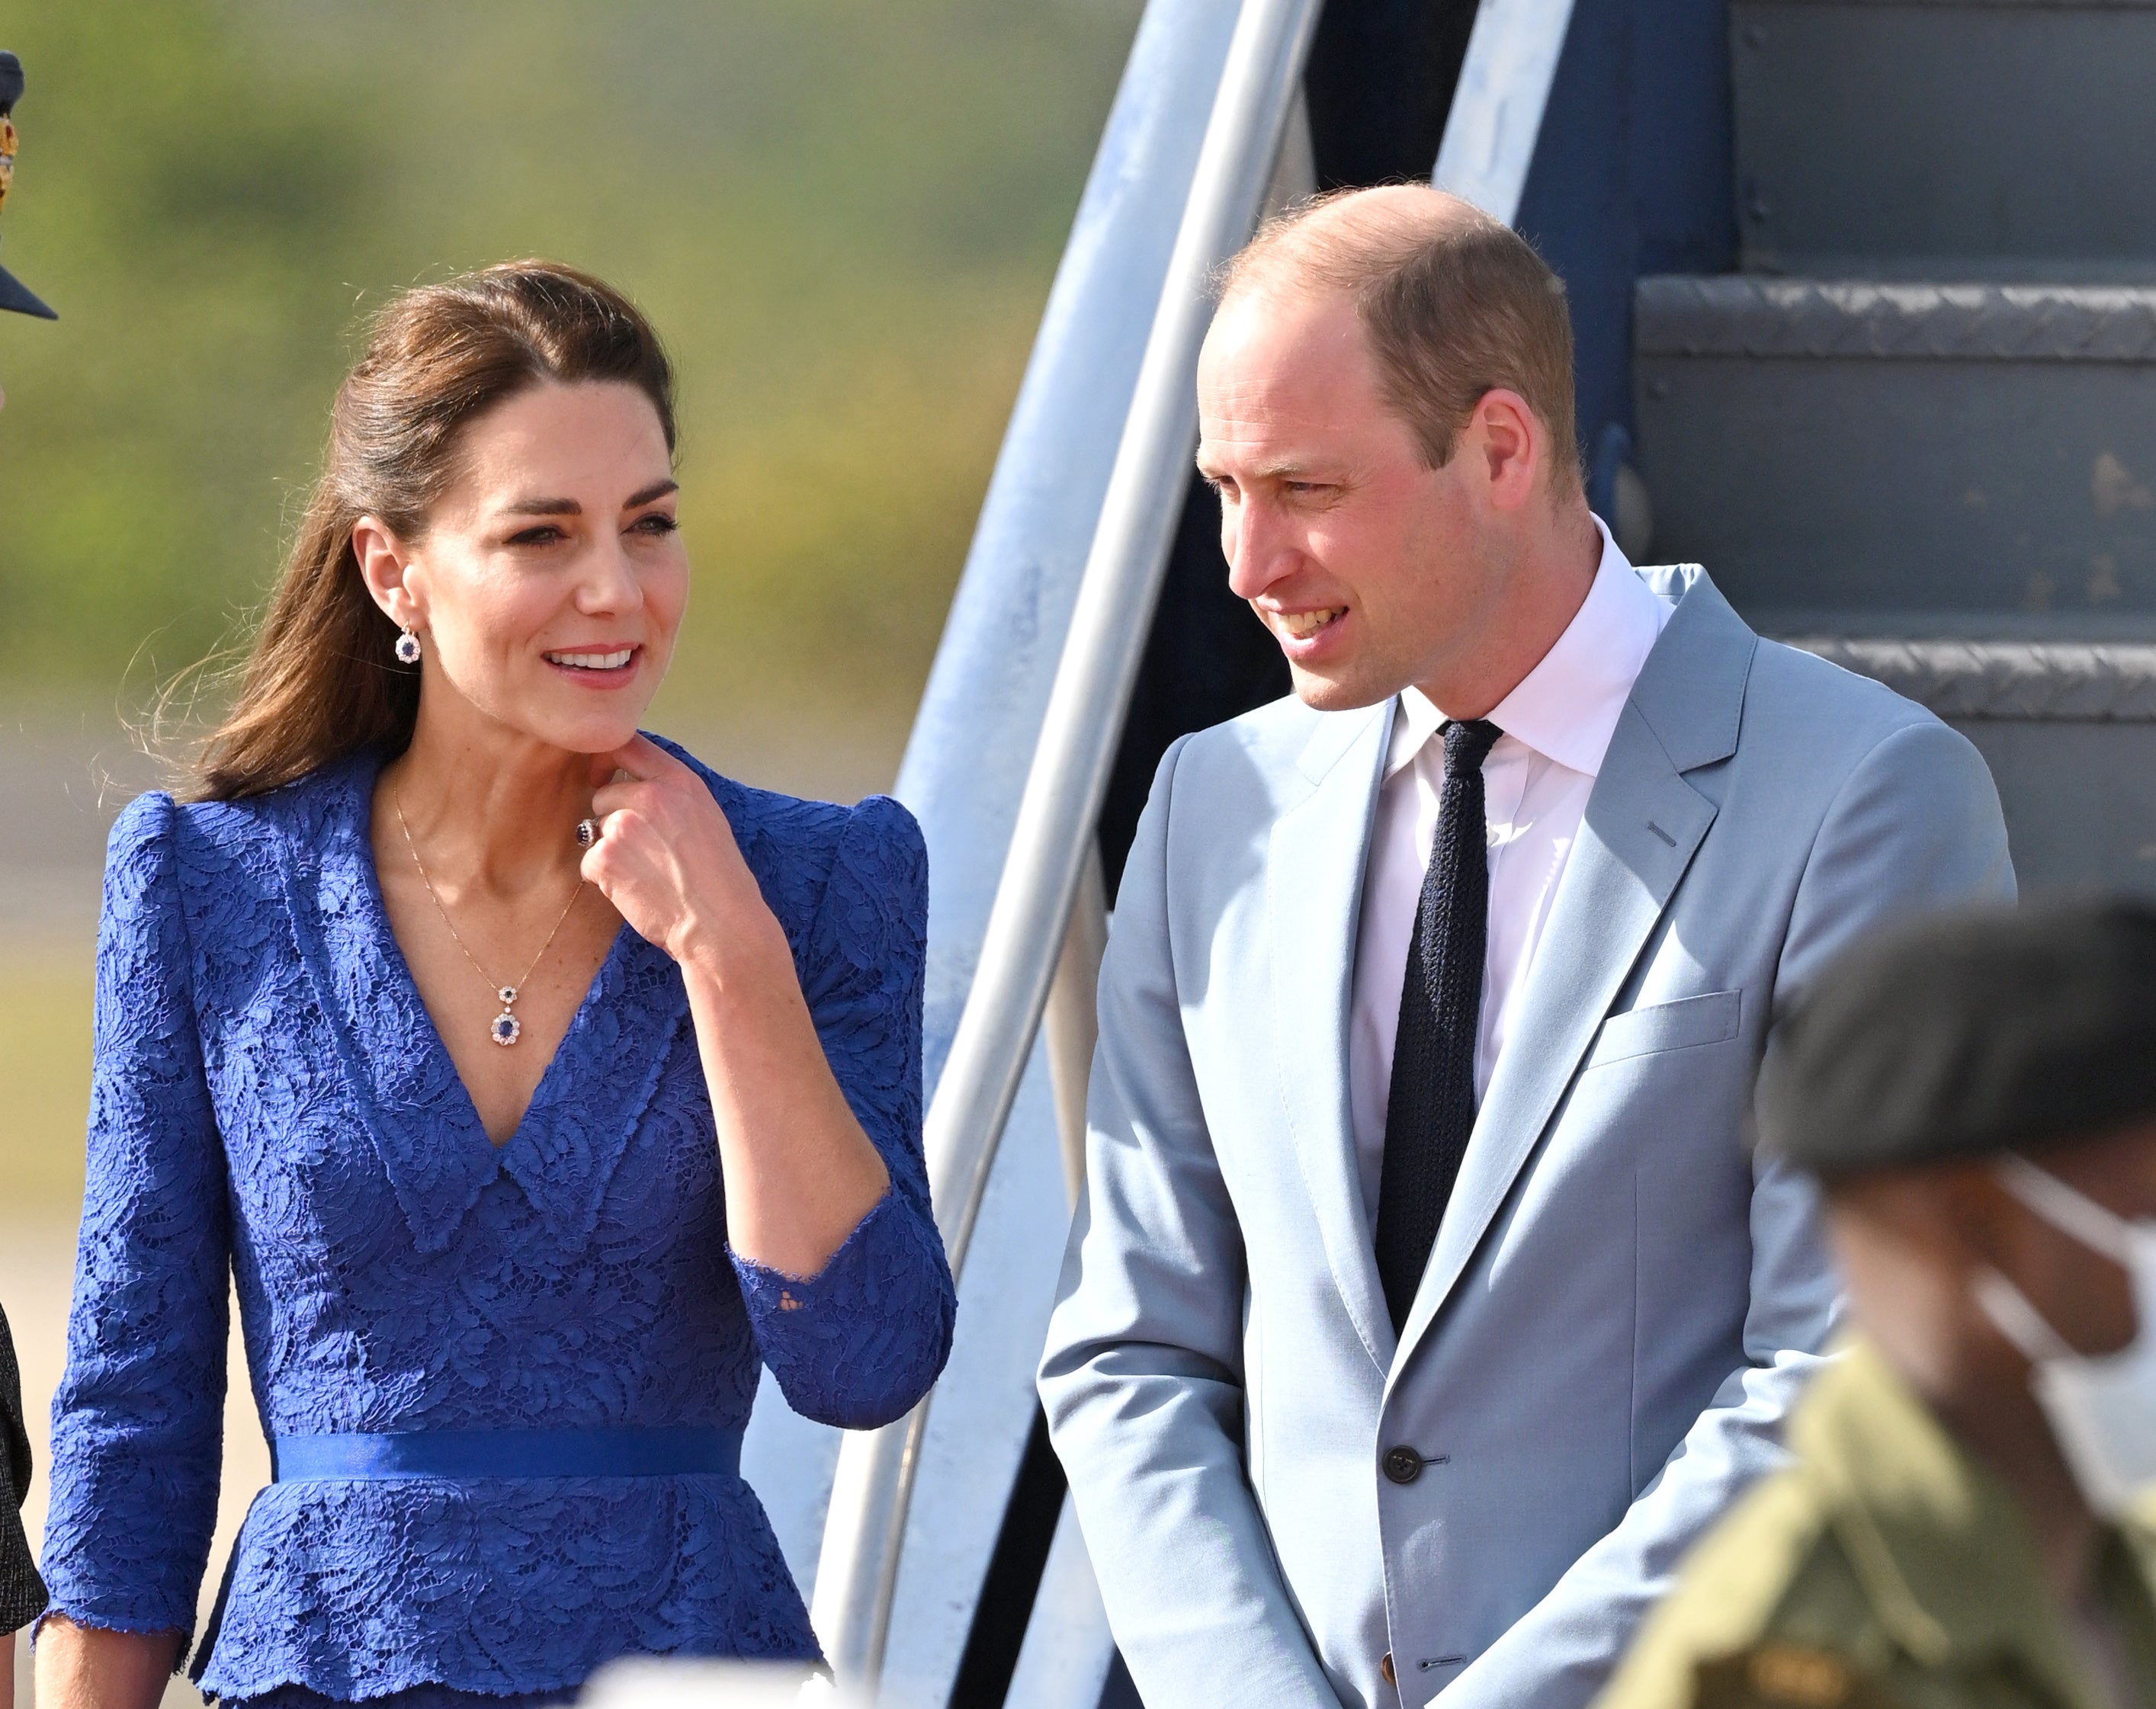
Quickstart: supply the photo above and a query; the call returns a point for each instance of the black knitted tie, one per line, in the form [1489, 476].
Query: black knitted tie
[1432, 1108]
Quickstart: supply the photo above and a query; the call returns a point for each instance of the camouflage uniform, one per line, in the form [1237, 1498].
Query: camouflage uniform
[1886, 1568]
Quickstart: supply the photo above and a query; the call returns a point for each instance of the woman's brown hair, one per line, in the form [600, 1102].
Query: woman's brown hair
[322, 680]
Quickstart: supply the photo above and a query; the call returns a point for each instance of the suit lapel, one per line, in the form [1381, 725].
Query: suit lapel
[1313, 901]
[1644, 822]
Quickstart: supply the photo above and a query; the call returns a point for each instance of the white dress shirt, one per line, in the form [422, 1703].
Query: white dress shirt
[1556, 726]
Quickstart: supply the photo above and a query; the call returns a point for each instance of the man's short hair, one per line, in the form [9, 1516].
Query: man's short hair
[1454, 304]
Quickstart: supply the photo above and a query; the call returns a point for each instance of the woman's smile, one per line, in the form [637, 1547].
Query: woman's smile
[608, 664]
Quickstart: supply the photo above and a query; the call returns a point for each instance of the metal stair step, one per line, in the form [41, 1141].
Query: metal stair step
[1852, 444]
[1942, 129]
[2050, 719]
[1963, 679]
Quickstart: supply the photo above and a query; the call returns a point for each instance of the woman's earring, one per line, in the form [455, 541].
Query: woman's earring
[587, 833]
[407, 646]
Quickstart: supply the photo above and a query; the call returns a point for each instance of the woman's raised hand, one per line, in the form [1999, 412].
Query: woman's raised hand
[800, 1173]
[666, 858]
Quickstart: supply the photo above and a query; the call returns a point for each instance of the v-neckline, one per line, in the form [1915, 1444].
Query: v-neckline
[392, 952]
[415, 1106]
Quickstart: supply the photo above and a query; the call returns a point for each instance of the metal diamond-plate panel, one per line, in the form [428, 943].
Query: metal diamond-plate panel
[1738, 315]
[1989, 680]
[2068, 730]
[1836, 446]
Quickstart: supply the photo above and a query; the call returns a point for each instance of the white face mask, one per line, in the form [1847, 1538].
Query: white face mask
[2102, 1410]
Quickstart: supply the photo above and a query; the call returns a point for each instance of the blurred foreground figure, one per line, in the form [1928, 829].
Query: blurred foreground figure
[535, 1087]
[22, 1592]
[673, 1682]
[1961, 1528]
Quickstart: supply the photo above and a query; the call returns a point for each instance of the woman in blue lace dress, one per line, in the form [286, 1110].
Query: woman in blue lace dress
[536, 1086]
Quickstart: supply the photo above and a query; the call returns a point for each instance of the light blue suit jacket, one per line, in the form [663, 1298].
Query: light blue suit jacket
[1620, 1307]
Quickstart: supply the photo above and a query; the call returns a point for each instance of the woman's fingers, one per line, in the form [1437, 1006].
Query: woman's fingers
[632, 867]
[642, 757]
[671, 797]
[612, 797]
[641, 764]
[600, 865]
[612, 824]
[666, 856]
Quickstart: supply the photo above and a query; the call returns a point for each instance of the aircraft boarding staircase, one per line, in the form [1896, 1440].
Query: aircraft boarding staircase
[1918, 428]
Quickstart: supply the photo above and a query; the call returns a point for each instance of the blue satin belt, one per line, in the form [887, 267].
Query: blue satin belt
[673, 1450]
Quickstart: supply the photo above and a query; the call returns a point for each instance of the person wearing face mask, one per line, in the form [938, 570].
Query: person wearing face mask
[536, 1088]
[1970, 1522]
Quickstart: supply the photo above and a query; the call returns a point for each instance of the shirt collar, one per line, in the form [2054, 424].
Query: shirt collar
[1416, 723]
[1568, 706]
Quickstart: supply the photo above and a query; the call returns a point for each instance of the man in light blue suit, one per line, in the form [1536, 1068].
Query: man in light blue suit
[1425, 1303]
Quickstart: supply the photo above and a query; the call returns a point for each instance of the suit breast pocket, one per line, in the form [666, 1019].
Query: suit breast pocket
[1710, 1019]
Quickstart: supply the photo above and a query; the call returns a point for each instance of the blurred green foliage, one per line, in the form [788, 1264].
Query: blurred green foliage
[843, 214]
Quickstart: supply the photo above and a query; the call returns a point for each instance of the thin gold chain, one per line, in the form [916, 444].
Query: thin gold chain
[397, 800]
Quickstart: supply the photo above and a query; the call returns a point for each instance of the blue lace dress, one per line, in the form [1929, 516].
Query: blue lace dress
[271, 1101]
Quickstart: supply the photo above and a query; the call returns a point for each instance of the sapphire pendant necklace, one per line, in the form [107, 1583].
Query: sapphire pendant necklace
[505, 1029]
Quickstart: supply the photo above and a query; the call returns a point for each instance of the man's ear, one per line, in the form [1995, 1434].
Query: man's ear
[1512, 444]
[382, 564]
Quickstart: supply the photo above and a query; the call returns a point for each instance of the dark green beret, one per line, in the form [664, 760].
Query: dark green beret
[1968, 1034]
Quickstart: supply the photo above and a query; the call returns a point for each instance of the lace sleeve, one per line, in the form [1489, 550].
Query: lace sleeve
[858, 1343]
[138, 1420]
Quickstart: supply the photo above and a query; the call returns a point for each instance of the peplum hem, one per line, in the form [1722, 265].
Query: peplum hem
[508, 1588]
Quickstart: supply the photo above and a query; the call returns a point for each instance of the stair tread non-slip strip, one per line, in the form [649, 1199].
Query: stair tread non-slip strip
[2109, 682]
[1759, 315]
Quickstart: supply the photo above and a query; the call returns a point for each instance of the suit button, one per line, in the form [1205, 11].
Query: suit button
[1385, 1668]
[1403, 1464]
